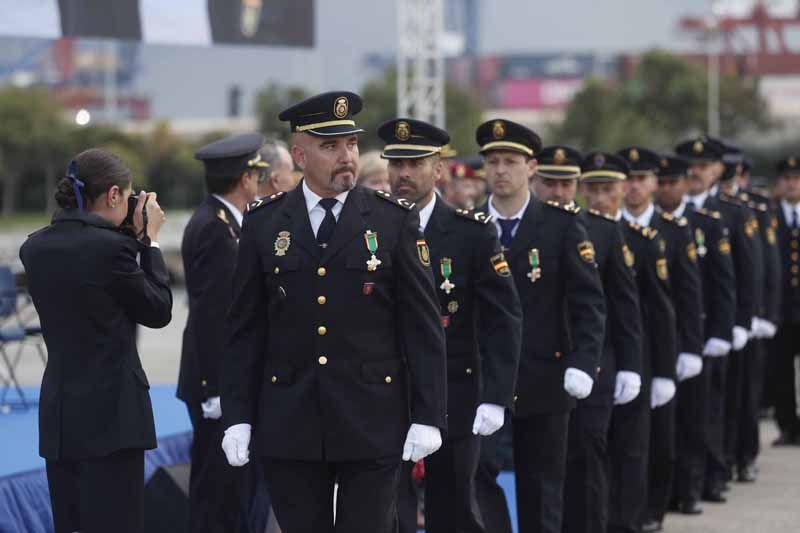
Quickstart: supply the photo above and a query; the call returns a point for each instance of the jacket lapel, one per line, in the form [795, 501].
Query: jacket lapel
[438, 225]
[526, 232]
[296, 212]
[351, 223]
[229, 219]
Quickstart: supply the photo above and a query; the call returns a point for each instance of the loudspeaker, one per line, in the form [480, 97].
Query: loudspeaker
[166, 500]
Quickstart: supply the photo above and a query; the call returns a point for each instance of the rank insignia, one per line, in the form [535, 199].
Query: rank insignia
[371, 240]
[661, 269]
[282, 243]
[724, 246]
[446, 268]
[222, 216]
[700, 239]
[691, 252]
[586, 251]
[535, 264]
[452, 307]
[423, 252]
[500, 265]
[630, 259]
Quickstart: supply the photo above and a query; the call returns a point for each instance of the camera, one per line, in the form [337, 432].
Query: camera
[127, 225]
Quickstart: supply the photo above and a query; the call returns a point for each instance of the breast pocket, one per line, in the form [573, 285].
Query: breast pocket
[281, 278]
[375, 284]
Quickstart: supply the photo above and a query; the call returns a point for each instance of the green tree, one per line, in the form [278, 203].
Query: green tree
[665, 99]
[270, 102]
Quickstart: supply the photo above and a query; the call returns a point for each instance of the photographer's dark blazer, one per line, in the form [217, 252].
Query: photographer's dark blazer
[90, 292]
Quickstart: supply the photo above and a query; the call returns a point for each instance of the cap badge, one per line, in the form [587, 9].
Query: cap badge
[698, 147]
[559, 156]
[633, 155]
[402, 131]
[341, 107]
[498, 130]
[599, 160]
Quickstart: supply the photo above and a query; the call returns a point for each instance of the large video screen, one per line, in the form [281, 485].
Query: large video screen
[191, 22]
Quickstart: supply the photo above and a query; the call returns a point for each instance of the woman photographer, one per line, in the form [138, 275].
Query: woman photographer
[92, 281]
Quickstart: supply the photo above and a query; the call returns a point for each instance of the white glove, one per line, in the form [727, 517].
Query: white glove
[763, 329]
[421, 441]
[627, 387]
[716, 347]
[689, 365]
[212, 408]
[577, 383]
[662, 391]
[753, 333]
[236, 443]
[489, 417]
[739, 338]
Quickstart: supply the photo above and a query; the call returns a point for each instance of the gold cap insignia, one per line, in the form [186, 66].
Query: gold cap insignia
[341, 107]
[633, 155]
[559, 156]
[498, 130]
[698, 147]
[599, 160]
[402, 131]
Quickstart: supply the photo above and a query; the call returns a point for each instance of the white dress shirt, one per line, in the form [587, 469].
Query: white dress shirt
[643, 220]
[425, 214]
[698, 200]
[497, 216]
[316, 213]
[788, 212]
[681, 209]
[232, 208]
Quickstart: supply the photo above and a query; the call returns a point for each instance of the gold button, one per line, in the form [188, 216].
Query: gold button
[321, 271]
[204, 383]
[469, 371]
[322, 330]
[388, 379]
[516, 397]
[558, 354]
[323, 360]
[274, 379]
[277, 270]
[321, 300]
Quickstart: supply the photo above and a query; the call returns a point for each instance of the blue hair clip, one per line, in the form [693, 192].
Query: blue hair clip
[77, 185]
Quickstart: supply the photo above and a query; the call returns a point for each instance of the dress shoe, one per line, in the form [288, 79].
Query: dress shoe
[714, 496]
[748, 473]
[690, 508]
[651, 526]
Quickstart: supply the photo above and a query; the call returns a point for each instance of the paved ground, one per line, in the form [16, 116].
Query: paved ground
[770, 506]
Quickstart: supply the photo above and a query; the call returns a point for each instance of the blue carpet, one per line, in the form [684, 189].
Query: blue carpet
[20, 429]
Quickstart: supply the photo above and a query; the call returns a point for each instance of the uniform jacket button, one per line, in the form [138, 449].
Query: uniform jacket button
[274, 379]
[322, 330]
[323, 360]
[321, 300]
[321, 271]
[388, 379]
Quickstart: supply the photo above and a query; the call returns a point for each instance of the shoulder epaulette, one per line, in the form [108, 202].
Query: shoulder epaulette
[743, 196]
[598, 214]
[402, 202]
[649, 233]
[708, 213]
[573, 209]
[669, 217]
[756, 206]
[728, 199]
[475, 216]
[252, 206]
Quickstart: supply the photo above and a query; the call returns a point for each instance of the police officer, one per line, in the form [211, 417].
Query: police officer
[718, 282]
[787, 342]
[681, 255]
[336, 353]
[618, 376]
[233, 168]
[479, 305]
[553, 266]
[705, 168]
[603, 184]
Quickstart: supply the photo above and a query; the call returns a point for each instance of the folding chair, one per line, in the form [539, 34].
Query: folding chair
[13, 330]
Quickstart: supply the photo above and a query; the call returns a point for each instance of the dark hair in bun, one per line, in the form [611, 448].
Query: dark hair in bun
[98, 171]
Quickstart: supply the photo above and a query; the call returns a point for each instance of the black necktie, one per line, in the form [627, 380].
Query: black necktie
[690, 207]
[794, 218]
[507, 226]
[325, 230]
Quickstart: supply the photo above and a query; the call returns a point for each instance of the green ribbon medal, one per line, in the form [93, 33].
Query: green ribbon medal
[533, 259]
[700, 238]
[371, 239]
[446, 265]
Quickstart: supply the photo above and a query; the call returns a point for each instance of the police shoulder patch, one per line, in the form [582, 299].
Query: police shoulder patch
[252, 206]
[572, 209]
[402, 202]
[475, 216]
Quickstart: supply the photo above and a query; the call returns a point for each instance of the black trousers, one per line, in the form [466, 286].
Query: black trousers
[661, 468]
[491, 497]
[716, 463]
[628, 449]
[748, 442]
[586, 483]
[302, 495]
[451, 505]
[690, 435]
[217, 491]
[738, 363]
[407, 497]
[98, 495]
[540, 457]
[783, 376]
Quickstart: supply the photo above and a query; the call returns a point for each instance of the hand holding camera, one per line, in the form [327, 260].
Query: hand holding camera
[147, 215]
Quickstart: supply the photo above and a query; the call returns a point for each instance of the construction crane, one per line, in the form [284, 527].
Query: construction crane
[420, 61]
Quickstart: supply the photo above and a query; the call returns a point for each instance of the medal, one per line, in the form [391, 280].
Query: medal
[282, 243]
[700, 238]
[446, 266]
[536, 270]
[371, 239]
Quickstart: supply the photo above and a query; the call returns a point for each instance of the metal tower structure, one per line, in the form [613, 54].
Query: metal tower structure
[420, 62]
